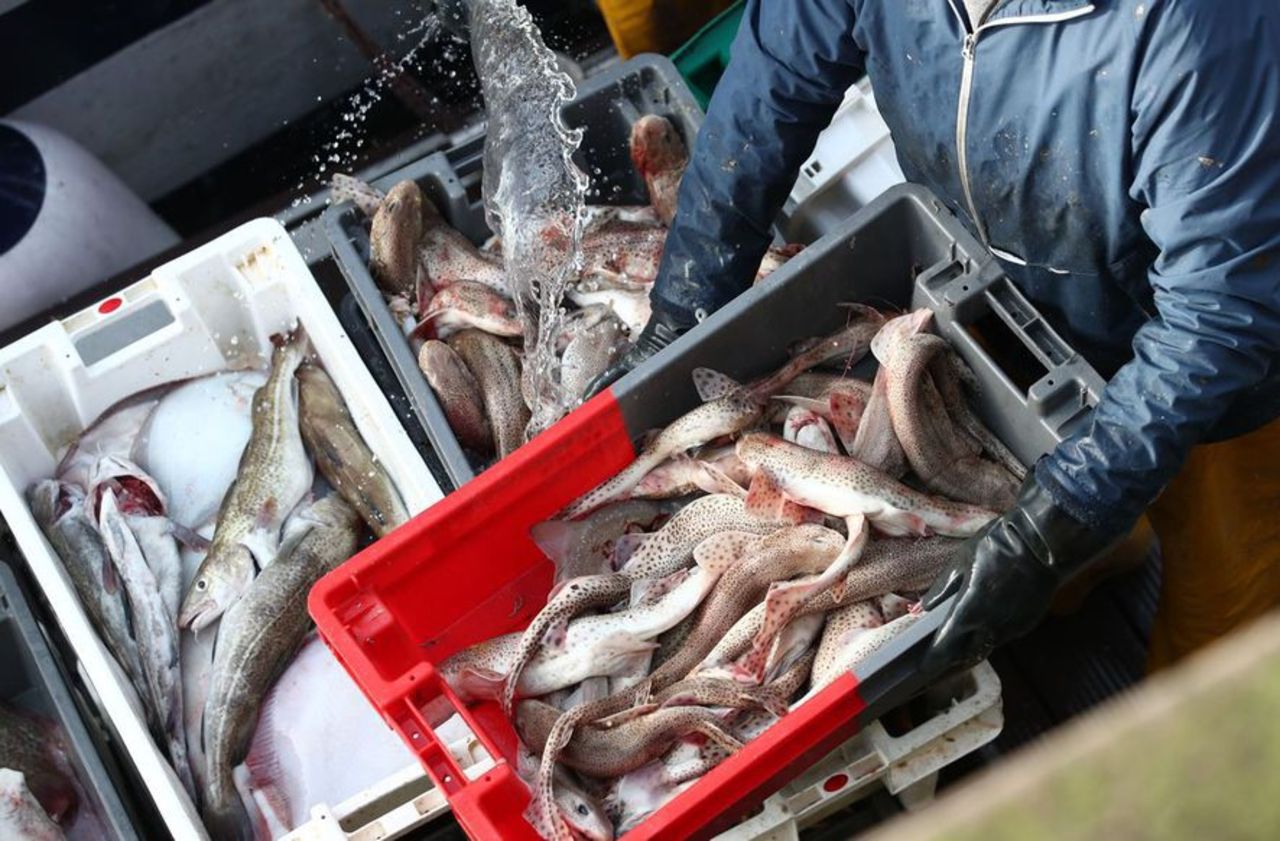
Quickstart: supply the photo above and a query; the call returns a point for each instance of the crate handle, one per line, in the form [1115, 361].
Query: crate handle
[132, 325]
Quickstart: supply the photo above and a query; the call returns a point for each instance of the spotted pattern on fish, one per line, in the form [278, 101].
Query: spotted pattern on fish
[578, 595]
[875, 443]
[497, 370]
[726, 416]
[845, 652]
[887, 565]
[468, 305]
[672, 546]
[611, 753]
[459, 394]
[785, 599]
[843, 627]
[394, 236]
[842, 486]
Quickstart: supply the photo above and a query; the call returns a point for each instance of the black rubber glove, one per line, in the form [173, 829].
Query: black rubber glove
[664, 327]
[1006, 575]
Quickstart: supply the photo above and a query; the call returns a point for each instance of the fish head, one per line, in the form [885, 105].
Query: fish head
[217, 587]
[656, 146]
[135, 491]
[584, 815]
[754, 447]
[898, 330]
[49, 501]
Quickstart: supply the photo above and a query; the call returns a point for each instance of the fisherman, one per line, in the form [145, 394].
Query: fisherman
[1121, 159]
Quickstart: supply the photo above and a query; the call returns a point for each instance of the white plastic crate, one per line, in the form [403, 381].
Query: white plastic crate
[395, 807]
[905, 765]
[211, 310]
[852, 163]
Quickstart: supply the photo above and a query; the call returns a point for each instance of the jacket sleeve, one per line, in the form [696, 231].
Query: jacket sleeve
[790, 67]
[1206, 151]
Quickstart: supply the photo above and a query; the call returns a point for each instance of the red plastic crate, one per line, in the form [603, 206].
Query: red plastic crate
[466, 570]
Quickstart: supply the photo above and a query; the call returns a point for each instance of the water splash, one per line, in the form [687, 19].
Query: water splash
[343, 151]
[533, 191]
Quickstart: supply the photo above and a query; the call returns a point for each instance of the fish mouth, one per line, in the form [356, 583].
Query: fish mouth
[197, 613]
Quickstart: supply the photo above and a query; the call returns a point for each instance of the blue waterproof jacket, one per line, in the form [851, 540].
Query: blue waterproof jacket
[1121, 158]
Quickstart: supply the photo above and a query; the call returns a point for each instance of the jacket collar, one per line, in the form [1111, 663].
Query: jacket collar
[1033, 10]
[1017, 9]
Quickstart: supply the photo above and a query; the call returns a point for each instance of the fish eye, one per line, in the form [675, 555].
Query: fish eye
[202, 584]
[582, 809]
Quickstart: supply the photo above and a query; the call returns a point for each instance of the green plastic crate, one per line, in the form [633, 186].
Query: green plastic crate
[702, 60]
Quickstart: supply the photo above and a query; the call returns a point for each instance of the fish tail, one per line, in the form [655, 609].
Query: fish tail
[228, 820]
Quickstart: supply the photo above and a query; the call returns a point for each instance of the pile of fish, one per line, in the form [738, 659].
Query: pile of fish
[196, 506]
[757, 548]
[458, 305]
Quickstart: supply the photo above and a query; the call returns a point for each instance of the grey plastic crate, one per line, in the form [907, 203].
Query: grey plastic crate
[904, 249]
[605, 108]
[32, 679]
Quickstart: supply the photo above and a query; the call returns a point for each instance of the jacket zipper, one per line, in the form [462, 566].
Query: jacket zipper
[967, 48]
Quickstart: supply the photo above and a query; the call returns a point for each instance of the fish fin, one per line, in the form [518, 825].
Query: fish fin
[556, 634]
[262, 545]
[480, 683]
[425, 328]
[713, 480]
[782, 602]
[845, 410]
[646, 591]
[719, 552]
[630, 714]
[764, 498]
[901, 524]
[719, 737]
[818, 407]
[343, 187]
[863, 311]
[623, 645]
[265, 775]
[625, 546]
[712, 385]
[189, 538]
[110, 577]
[797, 514]
[553, 538]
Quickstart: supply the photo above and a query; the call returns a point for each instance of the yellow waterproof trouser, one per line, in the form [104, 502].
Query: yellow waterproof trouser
[656, 26]
[1218, 523]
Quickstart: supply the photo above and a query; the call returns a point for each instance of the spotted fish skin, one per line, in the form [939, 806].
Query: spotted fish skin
[611, 753]
[274, 474]
[465, 305]
[798, 550]
[887, 566]
[459, 394]
[714, 419]
[394, 236]
[939, 451]
[843, 627]
[497, 369]
[841, 487]
[672, 546]
[577, 595]
[844, 652]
